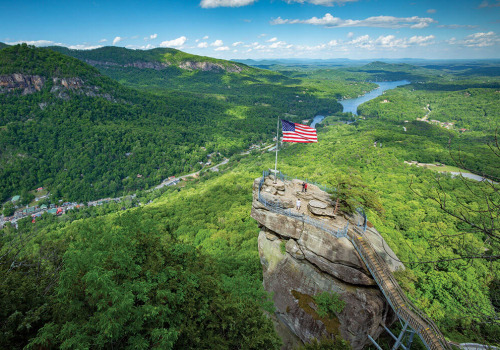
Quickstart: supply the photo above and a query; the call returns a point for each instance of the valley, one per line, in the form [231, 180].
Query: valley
[183, 269]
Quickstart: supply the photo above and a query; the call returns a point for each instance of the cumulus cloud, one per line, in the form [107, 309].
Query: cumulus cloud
[217, 43]
[350, 34]
[151, 37]
[272, 40]
[237, 43]
[379, 21]
[225, 3]
[203, 44]
[36, 43]
[174, 43]
[322, 2]
[477, 40]
[117, 40]
[390, 42]
[103, 40]
[205, 37]
[84, 47]
[277, 45]
[222, 48]
[261, 35]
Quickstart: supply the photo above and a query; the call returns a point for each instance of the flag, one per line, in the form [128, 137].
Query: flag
[294, 132]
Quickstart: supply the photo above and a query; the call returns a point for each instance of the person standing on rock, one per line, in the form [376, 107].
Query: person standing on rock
[303, 187]
[298, 204]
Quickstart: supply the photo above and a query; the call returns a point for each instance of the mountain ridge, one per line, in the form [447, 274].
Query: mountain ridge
[158, 58]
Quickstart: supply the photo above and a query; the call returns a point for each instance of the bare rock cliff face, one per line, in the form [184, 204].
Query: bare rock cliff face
[300, 261]
[209, 66]
[28, 83]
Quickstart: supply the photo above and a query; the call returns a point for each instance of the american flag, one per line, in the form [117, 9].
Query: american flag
[294, 132]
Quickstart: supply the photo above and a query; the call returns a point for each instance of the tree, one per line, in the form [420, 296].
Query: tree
[8, 209]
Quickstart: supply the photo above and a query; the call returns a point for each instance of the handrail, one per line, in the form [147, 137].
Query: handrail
[397, 299]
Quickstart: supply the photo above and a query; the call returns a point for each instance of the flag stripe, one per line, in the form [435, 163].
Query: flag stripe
[294, 132]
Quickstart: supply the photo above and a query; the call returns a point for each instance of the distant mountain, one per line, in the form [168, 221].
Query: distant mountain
[159, 59]
[2, 45]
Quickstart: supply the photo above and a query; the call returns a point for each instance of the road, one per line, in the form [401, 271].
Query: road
[170, 182]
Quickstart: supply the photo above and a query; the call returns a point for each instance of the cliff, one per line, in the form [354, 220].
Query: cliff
[300, 260]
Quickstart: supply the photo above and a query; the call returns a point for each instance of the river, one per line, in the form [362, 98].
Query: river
[351, 105]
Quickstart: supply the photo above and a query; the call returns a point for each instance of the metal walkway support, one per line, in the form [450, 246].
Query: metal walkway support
[413, 320]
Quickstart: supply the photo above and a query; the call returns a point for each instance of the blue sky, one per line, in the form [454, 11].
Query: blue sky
[356, 29]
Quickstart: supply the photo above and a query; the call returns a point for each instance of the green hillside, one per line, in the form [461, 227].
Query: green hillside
[183, 271]
[2, 45]
[212, 214]
[93, 137]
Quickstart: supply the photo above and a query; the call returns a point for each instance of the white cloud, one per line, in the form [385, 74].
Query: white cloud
[389, 42]
[421, 40]
[272, 40]
[174, 43]
[117, 40]
[431, 11]
[103, 40]
[222, 48]
[477, 40]
[205, 37]
[277, 45]
[217, 43]
[322, 2]
[333, 43]
[379, 21]
[134, 37]
[84, 47]
[457, 26]
[261, 35]
[151, 37]
[350, 34]
[237, 43]
[36, 43]
[225, 3]
[202, 44]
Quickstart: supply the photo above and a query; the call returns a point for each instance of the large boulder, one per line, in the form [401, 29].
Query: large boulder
[300, 260]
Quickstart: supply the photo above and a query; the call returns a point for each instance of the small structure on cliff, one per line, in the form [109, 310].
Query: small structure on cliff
[312, 250]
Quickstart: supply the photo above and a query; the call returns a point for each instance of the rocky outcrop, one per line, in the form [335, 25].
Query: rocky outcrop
[188, 65]
[209, 66]
[29, 84]
[300, 261]
[138, 64]
[17, 81]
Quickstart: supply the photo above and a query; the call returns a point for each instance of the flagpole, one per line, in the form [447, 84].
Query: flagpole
[277, 140]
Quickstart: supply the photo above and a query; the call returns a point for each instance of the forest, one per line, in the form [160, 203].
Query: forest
[82, 147]
[184, 271]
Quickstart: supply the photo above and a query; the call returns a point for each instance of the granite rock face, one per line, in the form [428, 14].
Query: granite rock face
[300, 261]
[27, 83]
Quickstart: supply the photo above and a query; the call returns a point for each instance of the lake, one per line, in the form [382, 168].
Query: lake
[351, 105]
